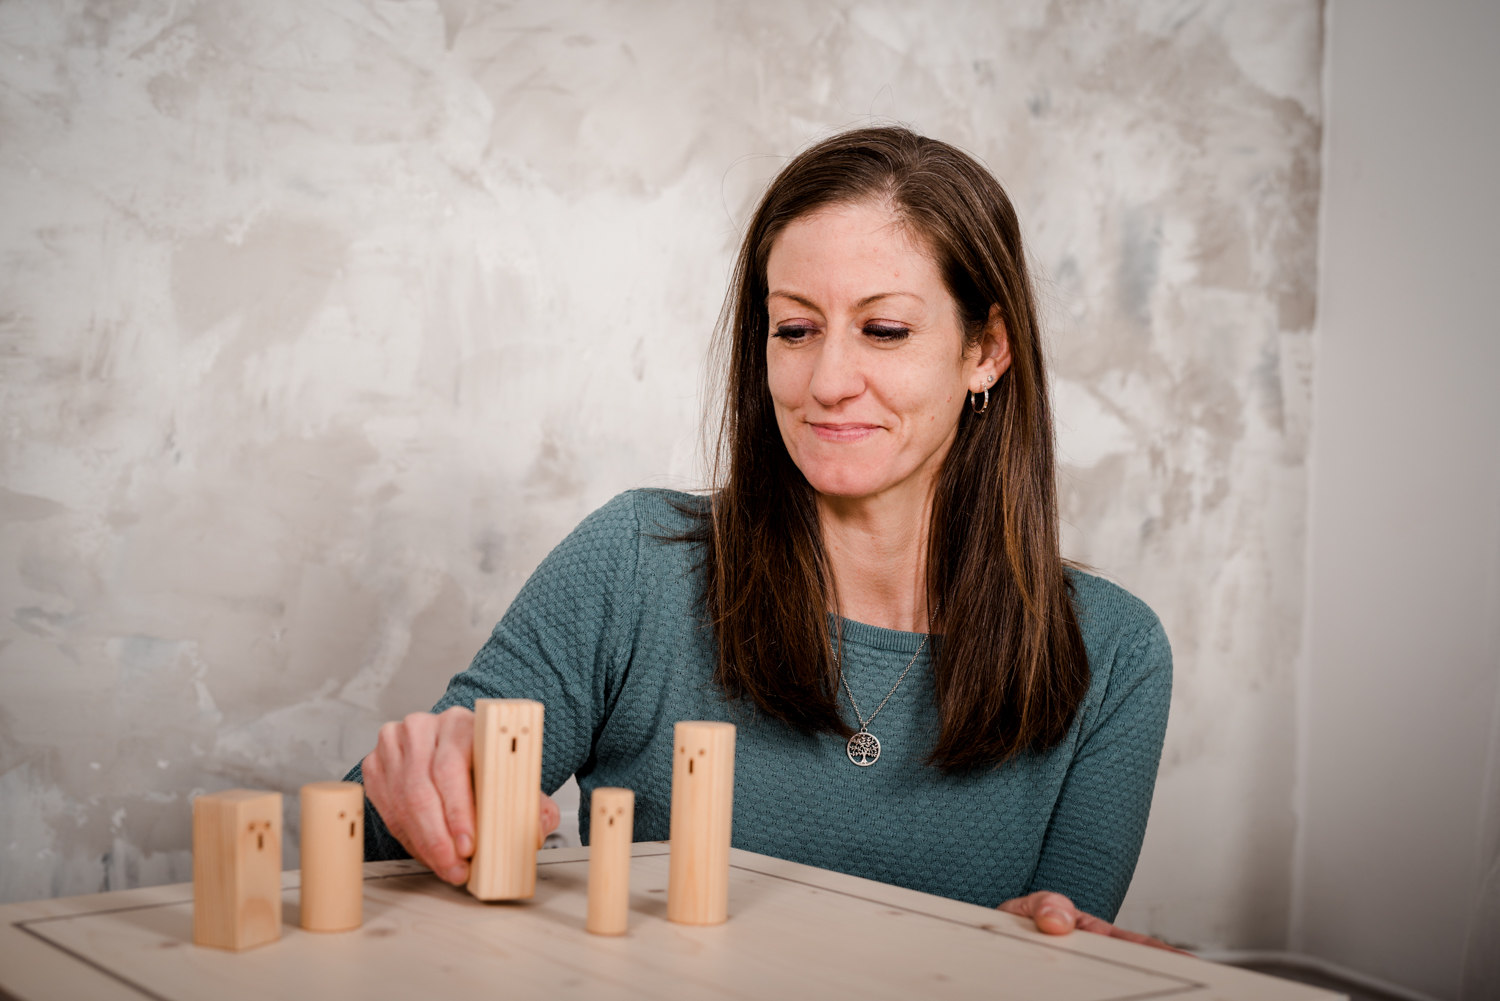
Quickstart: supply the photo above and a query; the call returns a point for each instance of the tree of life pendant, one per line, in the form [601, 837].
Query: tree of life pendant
[864, 749]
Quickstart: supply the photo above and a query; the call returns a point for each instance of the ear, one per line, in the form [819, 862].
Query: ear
[994, 354]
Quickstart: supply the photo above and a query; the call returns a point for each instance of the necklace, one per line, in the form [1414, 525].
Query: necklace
[864, 748]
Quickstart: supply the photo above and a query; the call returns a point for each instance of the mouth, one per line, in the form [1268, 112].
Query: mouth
[843, 432]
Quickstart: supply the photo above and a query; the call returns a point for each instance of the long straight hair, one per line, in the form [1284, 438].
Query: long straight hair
[1010, 668]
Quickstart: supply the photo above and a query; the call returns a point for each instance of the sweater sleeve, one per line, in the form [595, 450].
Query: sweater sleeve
[565, 641]
[1094, 836]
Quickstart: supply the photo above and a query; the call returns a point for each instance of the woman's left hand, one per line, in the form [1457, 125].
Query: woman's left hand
[1055, 914]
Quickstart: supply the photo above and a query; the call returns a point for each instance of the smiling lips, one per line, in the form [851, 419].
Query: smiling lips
[843, 432]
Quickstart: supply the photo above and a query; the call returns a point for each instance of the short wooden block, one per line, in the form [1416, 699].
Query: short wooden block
[507, 798]
[333, 856]
[702, 810]
[611, 827]
[237, 869]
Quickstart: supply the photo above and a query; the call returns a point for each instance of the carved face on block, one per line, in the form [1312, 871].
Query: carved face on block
[692, 757]
[257, 837]
[514, 733]
[608, 814]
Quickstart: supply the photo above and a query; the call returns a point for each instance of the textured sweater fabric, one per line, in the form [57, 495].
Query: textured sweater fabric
[609, 635]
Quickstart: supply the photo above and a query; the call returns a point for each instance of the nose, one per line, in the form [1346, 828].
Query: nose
[836, 376]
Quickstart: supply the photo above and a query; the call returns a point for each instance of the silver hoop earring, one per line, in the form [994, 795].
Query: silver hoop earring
[975, 396]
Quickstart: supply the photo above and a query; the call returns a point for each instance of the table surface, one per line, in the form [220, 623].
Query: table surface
[794, 931]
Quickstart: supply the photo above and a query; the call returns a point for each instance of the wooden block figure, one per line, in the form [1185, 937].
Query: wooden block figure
[702, 808]
[611, 827]
[333, 856]
[507, 798]
[237, 869]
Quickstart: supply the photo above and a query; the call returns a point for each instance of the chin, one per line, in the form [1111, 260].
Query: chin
[833, 481]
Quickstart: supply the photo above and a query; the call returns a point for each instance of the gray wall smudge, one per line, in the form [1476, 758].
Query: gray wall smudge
[322, 324]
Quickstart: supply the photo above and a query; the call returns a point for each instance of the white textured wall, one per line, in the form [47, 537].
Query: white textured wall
[1399, 864]
[322, 322]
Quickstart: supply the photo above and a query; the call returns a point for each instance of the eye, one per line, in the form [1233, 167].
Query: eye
[793, 331]
[887, 332]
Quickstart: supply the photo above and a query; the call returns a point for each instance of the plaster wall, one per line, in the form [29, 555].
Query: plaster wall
[1398, 863]
[323, 322]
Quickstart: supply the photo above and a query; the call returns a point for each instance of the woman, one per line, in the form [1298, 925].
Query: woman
[925, 695]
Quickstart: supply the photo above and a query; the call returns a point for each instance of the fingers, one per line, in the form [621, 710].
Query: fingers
[1098, 926]
[399, 781]
[452, 776]
[424, 820]
[1054, 914]
[1140, 939]
[377, 769]
[551, 815]
[420, 778]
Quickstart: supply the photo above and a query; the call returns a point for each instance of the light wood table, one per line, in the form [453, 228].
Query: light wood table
[794, 932]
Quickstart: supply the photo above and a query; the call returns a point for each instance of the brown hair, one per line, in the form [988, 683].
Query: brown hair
[1010, 669]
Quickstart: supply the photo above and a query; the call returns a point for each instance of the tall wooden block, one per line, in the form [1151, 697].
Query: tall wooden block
[611, 827]
[237, 868]
[702, 808]
[507, 798]
[333, 856]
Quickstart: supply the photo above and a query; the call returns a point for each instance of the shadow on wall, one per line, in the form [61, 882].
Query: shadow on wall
[1481, 971]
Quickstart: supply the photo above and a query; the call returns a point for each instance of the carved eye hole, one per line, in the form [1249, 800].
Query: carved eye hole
[525, 730]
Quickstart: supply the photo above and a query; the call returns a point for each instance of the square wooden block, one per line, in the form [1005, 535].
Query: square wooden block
[237, 869]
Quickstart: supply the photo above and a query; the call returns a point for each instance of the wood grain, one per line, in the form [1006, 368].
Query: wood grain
[611, 825]
[333, 856]
[507, 798]
[702, 813]
[237, 868]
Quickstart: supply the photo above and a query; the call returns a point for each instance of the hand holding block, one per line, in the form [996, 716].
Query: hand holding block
[333, 856]
[611, 827]
[507, 798]
[237, 869]
[702, 808]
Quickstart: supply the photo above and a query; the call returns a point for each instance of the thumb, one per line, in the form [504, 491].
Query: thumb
[551, 815]
[1053, 913]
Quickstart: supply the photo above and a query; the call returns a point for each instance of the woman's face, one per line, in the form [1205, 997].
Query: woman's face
[866, 357]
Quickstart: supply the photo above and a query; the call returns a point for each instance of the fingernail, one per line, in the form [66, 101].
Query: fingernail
[1054, 914]
[465, 845]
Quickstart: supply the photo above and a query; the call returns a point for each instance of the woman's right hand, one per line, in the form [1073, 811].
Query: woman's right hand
[420, 779]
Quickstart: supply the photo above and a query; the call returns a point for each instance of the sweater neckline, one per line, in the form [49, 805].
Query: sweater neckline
[880, 638]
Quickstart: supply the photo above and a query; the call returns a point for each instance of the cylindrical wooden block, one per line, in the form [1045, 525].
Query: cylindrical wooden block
[611, 827]
[237, 868]
[507, 798]
[702, 809]
[333, 856]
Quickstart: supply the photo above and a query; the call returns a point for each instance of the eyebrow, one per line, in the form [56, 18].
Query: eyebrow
[861, 304]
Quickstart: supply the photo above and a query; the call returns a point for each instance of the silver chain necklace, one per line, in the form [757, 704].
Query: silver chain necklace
[864, 748]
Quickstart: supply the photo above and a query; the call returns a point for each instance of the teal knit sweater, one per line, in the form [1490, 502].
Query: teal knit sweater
[609, 635]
